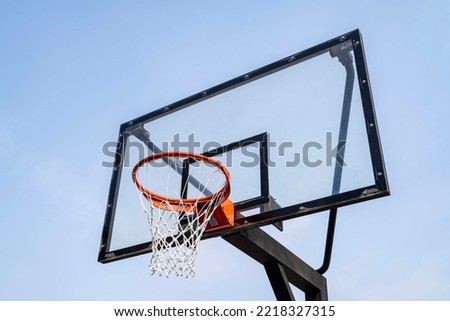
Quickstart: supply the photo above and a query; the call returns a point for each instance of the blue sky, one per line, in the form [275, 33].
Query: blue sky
[71, 72]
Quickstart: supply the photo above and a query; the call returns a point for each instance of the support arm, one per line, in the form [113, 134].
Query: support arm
[343, 53]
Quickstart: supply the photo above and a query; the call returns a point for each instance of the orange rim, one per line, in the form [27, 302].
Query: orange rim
[161, 201]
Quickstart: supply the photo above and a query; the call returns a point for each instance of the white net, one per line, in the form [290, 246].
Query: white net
[179, 195]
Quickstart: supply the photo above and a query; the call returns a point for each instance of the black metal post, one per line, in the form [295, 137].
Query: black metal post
[282, 266]
[279, 281]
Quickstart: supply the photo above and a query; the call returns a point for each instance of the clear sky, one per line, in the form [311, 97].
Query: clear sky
[72, 71]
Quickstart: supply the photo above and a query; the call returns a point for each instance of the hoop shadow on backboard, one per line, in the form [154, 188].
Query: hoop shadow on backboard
[299, 136]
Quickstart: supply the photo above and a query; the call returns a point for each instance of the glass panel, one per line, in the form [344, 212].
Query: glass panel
[300, 108]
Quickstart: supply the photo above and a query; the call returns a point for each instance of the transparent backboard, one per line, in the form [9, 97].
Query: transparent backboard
[298, 136]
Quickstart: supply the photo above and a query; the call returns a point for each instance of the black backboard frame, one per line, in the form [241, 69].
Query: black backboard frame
[274, 215]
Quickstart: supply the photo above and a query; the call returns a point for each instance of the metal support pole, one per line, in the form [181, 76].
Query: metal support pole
[345, 58]
[282, 266]
[279, 281]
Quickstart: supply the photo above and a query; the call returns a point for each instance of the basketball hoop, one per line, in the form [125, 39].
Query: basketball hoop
[180, 193]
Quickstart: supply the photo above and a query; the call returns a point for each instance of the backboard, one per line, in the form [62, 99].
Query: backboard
[298, 136]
